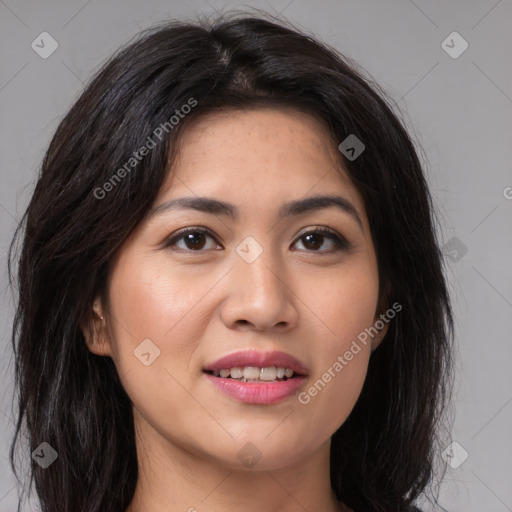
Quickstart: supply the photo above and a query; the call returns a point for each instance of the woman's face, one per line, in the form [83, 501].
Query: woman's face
[258, 280]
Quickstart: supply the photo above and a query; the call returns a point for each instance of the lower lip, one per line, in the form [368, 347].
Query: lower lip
[255, 392]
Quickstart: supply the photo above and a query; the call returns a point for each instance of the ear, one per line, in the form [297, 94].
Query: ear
[377, 339]
[94, 328]
[381, 318]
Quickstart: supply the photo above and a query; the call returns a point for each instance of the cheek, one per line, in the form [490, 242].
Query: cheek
[345, 301]
[346, 305]
[154, 302]
[149, 300]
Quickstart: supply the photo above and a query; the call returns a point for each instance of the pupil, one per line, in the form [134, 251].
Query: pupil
[314, 236]
[197, 244]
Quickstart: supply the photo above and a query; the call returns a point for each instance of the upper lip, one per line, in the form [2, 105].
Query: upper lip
[258, 359]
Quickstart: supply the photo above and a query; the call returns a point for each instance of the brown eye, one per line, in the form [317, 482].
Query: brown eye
[313, 240]
[194, 239]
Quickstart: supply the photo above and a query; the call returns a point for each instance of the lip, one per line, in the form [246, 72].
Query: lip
[259, 359]
[263, 393]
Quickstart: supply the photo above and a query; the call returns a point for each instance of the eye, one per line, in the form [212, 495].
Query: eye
[315, 239]
[194, 240]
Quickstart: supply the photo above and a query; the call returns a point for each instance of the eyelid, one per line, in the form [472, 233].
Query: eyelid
[178, 235]
[341, 242]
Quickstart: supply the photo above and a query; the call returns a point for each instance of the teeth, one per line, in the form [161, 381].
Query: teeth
[236, 373]
[268, 373]
[253, 373]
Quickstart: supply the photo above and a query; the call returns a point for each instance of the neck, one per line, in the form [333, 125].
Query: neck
[172, 479]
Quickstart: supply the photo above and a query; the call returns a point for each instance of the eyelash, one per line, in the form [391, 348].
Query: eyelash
[340, 242]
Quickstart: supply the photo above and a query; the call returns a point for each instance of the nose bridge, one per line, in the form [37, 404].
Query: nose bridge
[258, 292]
[257, 270]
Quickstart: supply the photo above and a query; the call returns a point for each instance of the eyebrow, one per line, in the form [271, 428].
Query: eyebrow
[291, 208]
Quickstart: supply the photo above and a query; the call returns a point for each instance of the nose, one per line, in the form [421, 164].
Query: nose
[260, 296]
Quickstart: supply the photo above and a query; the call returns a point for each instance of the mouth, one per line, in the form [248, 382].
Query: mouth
[253, 365]
[257, 377]
[255, 374]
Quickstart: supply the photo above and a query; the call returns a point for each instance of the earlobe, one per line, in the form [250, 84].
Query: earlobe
[94, 330]
[377, 339]
[379, 323]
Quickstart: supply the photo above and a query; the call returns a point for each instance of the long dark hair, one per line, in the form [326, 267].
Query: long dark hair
[383, 456]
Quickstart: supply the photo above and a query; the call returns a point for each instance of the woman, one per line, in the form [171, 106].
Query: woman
[230, 289]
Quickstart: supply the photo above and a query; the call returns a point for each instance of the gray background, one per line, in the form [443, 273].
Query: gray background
[460, 110]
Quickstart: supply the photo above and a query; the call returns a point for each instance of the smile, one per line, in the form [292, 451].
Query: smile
[255, 374]
[258, 392]
[256, 377]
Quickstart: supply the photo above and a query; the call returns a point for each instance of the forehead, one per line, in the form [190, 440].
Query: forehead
[264, 151]
[262, 121]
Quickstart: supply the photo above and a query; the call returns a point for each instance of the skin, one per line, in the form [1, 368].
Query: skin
[198, 305]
